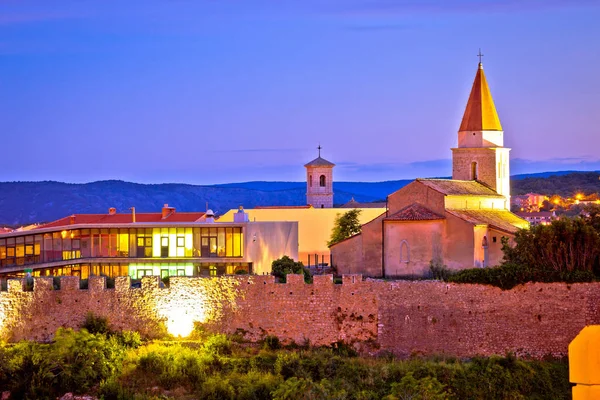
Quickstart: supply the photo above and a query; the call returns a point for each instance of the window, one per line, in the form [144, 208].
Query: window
[493, 239]
[144, 243]
[164, 246]
[221, 242]
[310, 180]
[473, 171]
[322, 181]
[404, 252]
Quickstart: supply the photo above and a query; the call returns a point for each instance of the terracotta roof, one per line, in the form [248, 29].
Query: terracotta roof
[319, 162]
[124, 218]
[500, 219]
[281, 207]
[414, 212]
[456, 187]
[355, 204]
[480, 113]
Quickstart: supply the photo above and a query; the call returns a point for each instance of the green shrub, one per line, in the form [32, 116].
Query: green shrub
[84, 359]
[3, 285]
[218, 345]
[129, 339]
[271, 343]
[254, 385]
[284, 266]
[56, 282]
[217, 388]
[427, 388]
[439, 271]
[96, 324]
[510, 275]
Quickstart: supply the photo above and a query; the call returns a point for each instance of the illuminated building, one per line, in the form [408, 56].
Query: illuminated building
[164, 244]
[458, 223]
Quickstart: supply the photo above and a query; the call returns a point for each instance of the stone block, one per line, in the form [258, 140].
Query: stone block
[15, 285]
[43, 284]
[122, 283]
[323, 280]
[150, 282]
[96, 283]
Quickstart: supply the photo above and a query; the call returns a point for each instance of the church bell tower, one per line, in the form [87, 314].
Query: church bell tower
[319, 182]
[481, 154]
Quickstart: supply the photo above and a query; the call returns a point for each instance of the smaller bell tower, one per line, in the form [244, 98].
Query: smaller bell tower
[319, 182]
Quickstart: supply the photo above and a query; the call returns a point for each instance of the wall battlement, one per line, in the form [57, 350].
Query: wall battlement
[403, 317]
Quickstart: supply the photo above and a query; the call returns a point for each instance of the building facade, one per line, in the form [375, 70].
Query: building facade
[163, 244]
[458, 222]
[314, 226]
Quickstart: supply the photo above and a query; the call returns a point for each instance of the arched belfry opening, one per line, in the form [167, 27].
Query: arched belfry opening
[474, 171]
[322, 180]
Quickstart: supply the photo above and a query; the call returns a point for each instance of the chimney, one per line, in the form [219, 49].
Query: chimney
[112, 211]
[166, 211]
[132, 214]
[210, 216]
[72, 219]
[240, 215]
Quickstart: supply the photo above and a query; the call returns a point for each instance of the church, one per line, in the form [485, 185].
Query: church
[458, 222]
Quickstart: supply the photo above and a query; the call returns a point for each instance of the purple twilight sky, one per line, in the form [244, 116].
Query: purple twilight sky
[207, 92]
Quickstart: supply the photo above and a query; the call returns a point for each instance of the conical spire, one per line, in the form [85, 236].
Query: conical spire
[480, 114]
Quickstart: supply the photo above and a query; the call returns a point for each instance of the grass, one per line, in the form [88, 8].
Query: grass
[118, 366]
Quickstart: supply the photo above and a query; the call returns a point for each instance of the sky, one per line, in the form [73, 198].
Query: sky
[207, 92]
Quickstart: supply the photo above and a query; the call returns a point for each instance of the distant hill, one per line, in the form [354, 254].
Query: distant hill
[23, 203]
[565, 184]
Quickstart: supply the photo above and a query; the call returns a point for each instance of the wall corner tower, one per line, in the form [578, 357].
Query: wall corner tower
[481, 154]
[319, 182]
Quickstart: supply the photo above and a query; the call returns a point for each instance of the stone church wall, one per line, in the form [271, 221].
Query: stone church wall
[402, 317]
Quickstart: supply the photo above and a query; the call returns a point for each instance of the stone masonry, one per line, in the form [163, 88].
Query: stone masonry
[402, 317]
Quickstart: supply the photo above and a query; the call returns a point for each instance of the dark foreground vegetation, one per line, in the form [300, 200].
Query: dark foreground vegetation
[121, 366]
[568, 250]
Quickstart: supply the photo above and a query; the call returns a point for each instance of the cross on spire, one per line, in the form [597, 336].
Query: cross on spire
[319, 148]
[479, 55]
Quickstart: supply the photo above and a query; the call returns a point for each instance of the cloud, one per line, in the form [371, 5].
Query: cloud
[406, 7]
[377, 27]
[259, 150]
[14, 18]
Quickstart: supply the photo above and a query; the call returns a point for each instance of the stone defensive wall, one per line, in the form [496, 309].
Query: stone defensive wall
[403, 317]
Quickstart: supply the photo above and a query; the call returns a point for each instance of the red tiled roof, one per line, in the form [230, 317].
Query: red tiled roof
[455, 187]
[500, 219]
[414, 212]
[319, 162]
[124, 218]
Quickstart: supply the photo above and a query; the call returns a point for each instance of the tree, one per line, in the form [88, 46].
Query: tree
[345, 225]
[286, 265]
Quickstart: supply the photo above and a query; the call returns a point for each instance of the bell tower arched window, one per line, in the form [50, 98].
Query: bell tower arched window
[310, 180]
[474, 171]
[322, 181]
